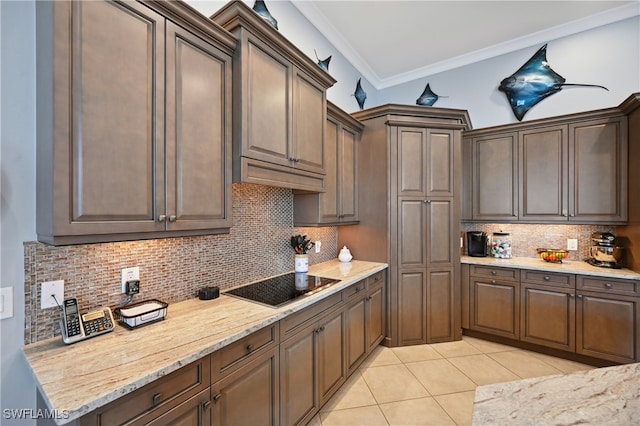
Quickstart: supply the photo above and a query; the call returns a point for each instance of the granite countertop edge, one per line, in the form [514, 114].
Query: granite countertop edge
[567, 267]
[79, 378]
[609, 395]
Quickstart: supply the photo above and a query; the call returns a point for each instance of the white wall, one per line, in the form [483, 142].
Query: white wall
[608, 56]
[17, 209]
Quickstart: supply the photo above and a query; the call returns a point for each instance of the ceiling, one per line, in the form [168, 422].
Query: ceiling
[391, 42]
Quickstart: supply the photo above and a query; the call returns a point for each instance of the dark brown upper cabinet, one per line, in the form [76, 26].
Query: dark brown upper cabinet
[568, 169]
[134, 124]
[339, 204]
[279, 106]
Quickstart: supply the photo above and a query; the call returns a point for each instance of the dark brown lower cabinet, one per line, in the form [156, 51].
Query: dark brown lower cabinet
[495, 307]
[548, 316]
[193, 412]
[250, 395]
[312, 366]
[589, 315]
[607, 326]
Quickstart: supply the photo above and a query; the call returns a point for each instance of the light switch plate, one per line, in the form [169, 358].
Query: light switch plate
[6, 302]
[129, 274]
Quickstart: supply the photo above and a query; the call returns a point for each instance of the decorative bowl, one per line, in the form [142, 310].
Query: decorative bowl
[552, 255]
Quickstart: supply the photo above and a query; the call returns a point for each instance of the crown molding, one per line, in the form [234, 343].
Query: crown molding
[313, 14]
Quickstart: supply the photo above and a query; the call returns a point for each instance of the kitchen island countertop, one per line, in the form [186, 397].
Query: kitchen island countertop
[76, 379]
[603, 396]
[567, 266]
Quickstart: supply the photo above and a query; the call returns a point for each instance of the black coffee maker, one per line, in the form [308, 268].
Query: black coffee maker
[477, 244]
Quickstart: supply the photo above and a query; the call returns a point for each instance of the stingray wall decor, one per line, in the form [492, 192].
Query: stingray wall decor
[533, 82]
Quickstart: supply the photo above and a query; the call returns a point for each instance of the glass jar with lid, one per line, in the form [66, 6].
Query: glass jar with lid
[501, 245]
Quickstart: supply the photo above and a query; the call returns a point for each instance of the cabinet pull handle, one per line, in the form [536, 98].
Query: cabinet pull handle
[493, 281]
[494, 273]
[206, 405]
[579, 296]
[217, 397]
[172, 218]
[249, 347]
[162, 218]
[608, 285]
[546, 278]
[368, 299]
[155, 399]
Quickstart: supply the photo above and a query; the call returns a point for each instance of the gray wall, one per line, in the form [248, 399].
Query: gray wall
[608, 56]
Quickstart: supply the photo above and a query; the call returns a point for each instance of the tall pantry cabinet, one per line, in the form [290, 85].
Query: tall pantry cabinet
[409, 169]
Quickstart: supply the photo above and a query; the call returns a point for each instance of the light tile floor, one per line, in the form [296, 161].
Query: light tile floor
[431, 384]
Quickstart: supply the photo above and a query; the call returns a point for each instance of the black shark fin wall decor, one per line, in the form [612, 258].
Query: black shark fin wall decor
[533, 82]
[261, 9]
[360, 94]
[428, 98]
[324, 64]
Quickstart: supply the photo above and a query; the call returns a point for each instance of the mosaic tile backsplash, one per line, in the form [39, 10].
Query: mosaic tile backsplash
[526, 238]
[173, 269]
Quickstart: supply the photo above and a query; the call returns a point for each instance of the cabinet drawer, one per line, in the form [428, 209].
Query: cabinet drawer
[291, 324]
[375, 278]
[547, 278]
[355, 289]
[223, 360]
[504, 274]
[608, 285]
[159, 396]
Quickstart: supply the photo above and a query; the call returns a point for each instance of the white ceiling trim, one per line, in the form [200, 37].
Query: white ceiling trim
[312, 13]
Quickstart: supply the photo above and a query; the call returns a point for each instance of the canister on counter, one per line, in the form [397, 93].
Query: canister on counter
[501, 245]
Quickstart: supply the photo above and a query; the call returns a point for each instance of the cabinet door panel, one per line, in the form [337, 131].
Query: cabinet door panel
[329, 200]
[298, 378]
[441, 239]
[598, 178]
[543, 173]
[348, 185]
[267, 92]
[495, 308]
[439, 165]
[411, 161]
[607, 327]
[412, 233]
[249, 396]
[331, 362]
[375, 316]
[309, 124]
[548, 317]
[495, 177]
[198, 152]
[112, 156]
[356, 344]
[412, 309]
[440, 308]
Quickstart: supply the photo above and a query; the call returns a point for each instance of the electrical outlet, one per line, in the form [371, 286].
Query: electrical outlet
[51, 294]
[129, 274]
[318, 246]
[6, 302]
[572, 244]
[133, 287]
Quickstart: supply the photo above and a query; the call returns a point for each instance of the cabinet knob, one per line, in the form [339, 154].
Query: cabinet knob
[579, 296]
[608, 285]
[369, 298]
[162, 218]
[547, 278]
[572, 295]
[249, 347]
[155, 399]
[217, 397]
[172, 218]
[494, 273]
[572, 215]
[493, 281]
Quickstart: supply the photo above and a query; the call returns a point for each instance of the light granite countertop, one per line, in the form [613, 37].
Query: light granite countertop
[604, 396]
[567, 266]
[76, 379]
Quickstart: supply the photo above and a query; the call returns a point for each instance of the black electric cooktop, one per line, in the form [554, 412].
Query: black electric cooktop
[282, 289]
